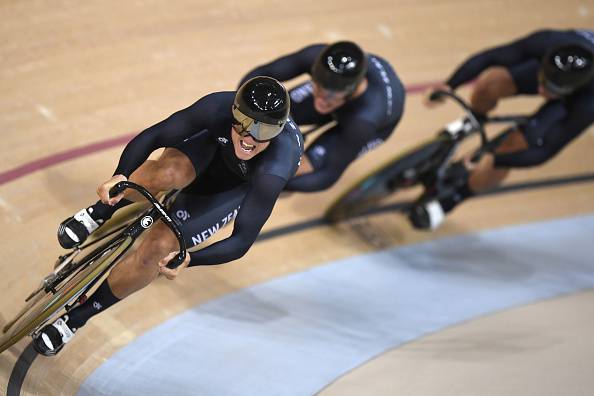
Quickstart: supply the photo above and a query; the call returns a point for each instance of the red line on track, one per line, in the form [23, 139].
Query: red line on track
[50, 160]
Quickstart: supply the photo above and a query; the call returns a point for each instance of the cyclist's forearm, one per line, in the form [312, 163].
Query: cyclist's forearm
[245, 232]
[255, 211]
[135, 153]
[507, 55]
[221, 252]
[282, 69]
[167, 133]
[289, 66]
[471, 68]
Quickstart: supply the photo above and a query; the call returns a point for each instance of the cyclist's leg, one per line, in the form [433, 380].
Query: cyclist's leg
[466, 179]
[493, 84]
[330, 155]
[159, 241]
[486, 174]
[317, 153]
[516, 151]
[499, 82]
[200, 217]
[173, 170]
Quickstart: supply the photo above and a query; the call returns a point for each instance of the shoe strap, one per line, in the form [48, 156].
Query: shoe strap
[63, 329]
[85, 219]
[436, 214]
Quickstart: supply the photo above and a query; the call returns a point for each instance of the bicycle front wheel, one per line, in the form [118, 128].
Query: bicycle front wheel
[46, 305]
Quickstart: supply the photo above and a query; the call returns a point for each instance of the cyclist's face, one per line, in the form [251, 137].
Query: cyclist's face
[246, 147]
[327, 101]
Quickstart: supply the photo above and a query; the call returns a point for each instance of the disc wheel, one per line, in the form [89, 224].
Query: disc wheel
[400, 172]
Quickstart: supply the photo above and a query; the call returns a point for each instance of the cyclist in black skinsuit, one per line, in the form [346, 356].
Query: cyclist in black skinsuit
[228, 150]
[361, 92]
[555, 64]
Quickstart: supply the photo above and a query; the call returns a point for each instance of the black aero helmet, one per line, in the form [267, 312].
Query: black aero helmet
[340, 67]
[567, 68]
[261, 108]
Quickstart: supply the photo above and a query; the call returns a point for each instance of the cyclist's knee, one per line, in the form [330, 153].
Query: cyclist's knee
[496, 82]
[173, 170]
[159, 242]
[493, 84]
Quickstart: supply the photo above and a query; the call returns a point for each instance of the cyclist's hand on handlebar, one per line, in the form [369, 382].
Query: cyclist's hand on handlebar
[103, 190]
[169, 273]
[430, 102]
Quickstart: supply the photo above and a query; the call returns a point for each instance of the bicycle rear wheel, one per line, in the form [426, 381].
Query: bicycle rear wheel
[402, 171]
[46, 305]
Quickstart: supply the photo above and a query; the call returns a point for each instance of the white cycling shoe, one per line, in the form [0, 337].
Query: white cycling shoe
[427, 216]
[52, 337]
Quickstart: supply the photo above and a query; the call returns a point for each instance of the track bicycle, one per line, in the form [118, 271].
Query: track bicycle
[77, 271]
[428, 164]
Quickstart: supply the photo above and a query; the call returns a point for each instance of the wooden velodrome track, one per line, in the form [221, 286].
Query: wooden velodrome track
[78, 73]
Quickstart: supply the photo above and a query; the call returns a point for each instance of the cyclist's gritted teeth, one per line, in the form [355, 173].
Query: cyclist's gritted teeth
[248, 148]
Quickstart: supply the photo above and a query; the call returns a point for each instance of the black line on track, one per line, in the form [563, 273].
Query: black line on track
[554, 182]
[24, 362]
[17, 377]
